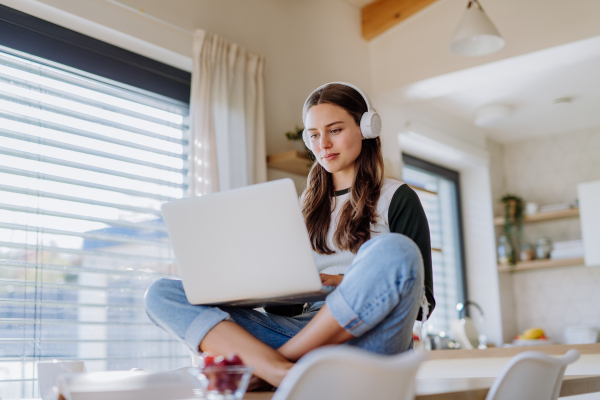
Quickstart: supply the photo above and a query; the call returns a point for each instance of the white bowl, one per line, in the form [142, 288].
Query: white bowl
[580, 335]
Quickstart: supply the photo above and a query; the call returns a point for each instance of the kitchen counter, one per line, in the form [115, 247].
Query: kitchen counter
[475, 365]
[501, 352]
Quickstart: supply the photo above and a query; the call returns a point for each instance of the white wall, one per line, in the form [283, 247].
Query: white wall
[505, 281]
[307, 43]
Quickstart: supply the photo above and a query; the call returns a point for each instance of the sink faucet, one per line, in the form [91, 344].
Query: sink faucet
[462, 308]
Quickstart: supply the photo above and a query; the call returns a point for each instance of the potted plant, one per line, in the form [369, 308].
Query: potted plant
[296, 137]
[298, 142]
[514, 208]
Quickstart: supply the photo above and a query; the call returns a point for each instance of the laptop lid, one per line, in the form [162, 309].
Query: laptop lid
[241, 244]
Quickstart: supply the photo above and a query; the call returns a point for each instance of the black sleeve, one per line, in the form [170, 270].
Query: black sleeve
[406, 216]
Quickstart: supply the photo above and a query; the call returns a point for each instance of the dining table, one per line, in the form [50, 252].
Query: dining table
[472, 388]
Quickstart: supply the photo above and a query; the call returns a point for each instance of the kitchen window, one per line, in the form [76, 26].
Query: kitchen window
[438, 190]
[86, 160]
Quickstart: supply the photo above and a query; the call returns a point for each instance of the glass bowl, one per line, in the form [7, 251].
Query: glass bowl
[224, 382]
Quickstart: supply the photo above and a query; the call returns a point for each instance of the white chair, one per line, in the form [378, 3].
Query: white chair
[531, 375]
[349, 373]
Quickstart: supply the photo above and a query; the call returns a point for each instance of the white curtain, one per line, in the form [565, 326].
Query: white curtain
[227, 122]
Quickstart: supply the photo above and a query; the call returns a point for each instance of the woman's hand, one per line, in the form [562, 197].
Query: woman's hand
[331, 280]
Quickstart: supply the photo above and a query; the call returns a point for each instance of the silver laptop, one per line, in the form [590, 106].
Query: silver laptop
[244, 247]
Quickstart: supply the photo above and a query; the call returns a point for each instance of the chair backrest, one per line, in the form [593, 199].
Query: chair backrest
[349, 373]
[531, 375]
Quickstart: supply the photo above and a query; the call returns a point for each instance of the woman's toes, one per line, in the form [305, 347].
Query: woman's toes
[258, 385]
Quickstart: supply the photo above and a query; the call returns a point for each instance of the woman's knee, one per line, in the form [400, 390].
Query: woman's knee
[396, 247]
[393, 243]
[160, 291]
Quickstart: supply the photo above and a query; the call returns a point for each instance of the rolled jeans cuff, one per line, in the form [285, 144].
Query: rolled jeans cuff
[203, 323]
[345, 315]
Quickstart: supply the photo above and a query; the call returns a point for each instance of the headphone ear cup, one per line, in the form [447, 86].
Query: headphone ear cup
[305, 138]
[370, 124]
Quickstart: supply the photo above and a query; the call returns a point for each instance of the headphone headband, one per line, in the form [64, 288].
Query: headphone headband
[364, 96]
[370, 122]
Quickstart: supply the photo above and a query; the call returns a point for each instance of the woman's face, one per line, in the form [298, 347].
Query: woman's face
[334, 137]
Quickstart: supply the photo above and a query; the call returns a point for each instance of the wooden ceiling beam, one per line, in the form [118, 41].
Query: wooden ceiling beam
[381, 15]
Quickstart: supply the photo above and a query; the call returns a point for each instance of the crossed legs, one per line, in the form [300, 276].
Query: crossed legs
[269, 364]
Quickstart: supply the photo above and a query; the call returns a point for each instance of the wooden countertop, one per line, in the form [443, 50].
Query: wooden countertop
[552, 349]
[472, 388]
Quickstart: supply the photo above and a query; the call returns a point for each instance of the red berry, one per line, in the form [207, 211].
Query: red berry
[233, 359]
[209, 360]
[220, 361]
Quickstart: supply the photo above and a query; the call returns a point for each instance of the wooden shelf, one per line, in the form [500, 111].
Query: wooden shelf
[541, 264]
[292, 161]
[544, 216]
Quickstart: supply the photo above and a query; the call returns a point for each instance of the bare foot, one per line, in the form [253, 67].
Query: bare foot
[227, 337]
[258, 385]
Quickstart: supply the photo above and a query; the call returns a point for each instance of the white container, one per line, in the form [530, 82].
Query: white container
[580, 335]
[531, 208]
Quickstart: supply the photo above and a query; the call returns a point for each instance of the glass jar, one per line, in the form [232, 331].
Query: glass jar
[543, 248]
[504, 251]
[527, 252]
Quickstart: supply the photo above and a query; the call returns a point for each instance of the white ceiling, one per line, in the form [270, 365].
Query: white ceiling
[528, 84]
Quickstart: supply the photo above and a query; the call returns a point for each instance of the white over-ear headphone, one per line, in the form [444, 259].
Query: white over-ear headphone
[370, 122]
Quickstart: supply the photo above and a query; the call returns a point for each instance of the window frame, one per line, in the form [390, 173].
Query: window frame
[40, 38]
[453, 176]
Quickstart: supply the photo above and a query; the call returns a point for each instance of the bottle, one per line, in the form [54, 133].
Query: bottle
[504, 251]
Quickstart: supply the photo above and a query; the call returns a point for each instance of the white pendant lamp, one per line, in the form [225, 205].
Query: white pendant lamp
[476, 35]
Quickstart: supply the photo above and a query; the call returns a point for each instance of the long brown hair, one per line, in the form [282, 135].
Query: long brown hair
[360, 211]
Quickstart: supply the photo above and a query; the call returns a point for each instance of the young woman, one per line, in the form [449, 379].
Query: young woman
[370, 239]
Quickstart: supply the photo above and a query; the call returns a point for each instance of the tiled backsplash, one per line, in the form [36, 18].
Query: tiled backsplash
[555, 298]
[546, 171]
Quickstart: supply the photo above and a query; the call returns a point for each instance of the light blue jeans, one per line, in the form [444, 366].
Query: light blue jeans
[377, 302]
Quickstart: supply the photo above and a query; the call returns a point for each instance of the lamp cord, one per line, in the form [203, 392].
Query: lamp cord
[471, 2]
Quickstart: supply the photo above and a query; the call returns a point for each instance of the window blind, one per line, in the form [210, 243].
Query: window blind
[438, 197]
[85, 164]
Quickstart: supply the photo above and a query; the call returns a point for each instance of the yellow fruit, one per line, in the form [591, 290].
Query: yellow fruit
[533, 333]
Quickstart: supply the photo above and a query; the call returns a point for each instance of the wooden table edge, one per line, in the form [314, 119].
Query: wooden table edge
[573, 385]
[503, 352]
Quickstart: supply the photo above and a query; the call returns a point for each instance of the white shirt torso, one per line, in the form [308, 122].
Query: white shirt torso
[339, 262]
